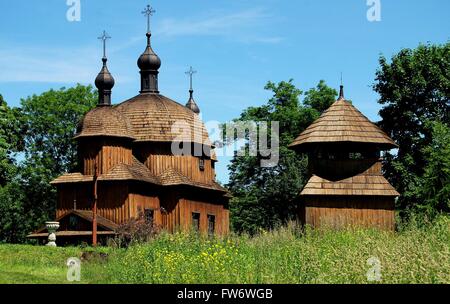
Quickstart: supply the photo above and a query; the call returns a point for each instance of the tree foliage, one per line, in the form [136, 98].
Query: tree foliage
[266, 197]
[41, 130]
[11, 140]
[414, 89]
[434, 190]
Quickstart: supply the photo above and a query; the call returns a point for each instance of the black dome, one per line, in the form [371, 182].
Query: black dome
[104, 80]
[149, 60]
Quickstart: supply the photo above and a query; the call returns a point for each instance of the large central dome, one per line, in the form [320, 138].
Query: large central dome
[154, 117]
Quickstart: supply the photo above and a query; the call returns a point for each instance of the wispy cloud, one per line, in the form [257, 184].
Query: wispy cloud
[81, 64]
[243, 26]
[46, 64]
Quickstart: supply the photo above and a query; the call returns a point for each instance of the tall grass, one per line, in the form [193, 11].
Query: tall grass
[287, 255]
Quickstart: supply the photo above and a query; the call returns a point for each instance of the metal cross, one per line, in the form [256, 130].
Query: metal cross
[191, 72]
[104, 37]
[149, 11]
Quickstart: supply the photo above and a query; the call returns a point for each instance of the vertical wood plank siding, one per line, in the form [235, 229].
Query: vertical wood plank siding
[105, 153]
[342, 211]
[119, 201]
[158, 158]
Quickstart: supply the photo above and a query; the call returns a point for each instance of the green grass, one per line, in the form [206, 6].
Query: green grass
[413, 255]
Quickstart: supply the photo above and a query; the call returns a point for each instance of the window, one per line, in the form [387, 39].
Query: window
[196, 221]
[211, 224]
[148, 214]
[201, 164]
[73, 222]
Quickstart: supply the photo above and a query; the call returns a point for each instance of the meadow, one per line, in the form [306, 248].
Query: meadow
[286, 255]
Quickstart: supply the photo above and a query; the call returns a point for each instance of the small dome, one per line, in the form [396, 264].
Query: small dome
[192, 105]
[104, 80]
[104, 121]
[149, 60]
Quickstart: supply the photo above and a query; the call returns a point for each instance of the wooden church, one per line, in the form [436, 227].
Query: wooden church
[347, 187]
[127, 167]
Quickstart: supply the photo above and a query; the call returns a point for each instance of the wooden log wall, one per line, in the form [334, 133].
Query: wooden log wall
[104, 152]
[158, 158]
[140, 202]
[113, 202]
[221, 214]
[170, 214]
[342, 211]
[74, 196]
[177, 214]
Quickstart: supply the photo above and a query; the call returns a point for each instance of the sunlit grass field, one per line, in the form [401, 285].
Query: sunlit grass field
[286, 255]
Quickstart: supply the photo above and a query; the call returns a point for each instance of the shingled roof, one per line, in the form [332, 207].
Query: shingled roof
[152, 117]
[139, 172]
[342, 122]
[76, 177]
[356, 185]
[104, 121]
[172, 177]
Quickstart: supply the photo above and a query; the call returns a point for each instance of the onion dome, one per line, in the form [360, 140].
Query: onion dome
[191, 105]
[104, 121]
[104, 83]
[149, 60]
[149, 64]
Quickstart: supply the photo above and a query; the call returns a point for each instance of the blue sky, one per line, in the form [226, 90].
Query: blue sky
[236, 47]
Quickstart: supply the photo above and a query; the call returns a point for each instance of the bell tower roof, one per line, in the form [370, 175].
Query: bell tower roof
[343, 123]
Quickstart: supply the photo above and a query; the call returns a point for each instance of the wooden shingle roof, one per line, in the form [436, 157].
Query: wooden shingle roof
[139, 172]
[76, 177]
[356, 185]
[152, 118]
[104, 121]
[172, 177]
[84, 214]
[342, 122]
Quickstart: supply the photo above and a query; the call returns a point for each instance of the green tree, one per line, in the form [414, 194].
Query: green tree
[51, 120]
[47, 126]
[11, 140]
[14, 226]
[435, 185]
[321, 97]
[414, 88]
[266, 197]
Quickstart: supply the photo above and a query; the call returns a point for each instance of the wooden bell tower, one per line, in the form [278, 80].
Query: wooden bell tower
[347, 187]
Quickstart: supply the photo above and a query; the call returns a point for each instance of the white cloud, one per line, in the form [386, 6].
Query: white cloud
[81, 64]
[47, 65]
[240, 25]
